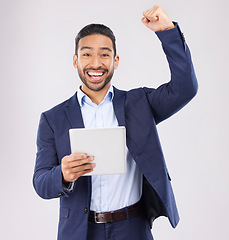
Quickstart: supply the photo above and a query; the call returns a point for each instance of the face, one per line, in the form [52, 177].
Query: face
[95, 62]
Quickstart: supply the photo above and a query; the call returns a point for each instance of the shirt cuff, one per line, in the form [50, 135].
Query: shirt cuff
[68, 187]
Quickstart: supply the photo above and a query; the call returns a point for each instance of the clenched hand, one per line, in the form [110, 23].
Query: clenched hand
[156, 19]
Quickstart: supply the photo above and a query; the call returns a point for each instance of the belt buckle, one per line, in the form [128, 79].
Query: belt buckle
[95, 217]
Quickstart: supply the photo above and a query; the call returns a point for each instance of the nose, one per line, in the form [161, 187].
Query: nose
[96, 62]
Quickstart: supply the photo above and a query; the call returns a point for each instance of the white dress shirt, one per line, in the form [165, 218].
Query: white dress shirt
[110, 192]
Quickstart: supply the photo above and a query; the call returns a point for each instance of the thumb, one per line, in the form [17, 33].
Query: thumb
[145, 21]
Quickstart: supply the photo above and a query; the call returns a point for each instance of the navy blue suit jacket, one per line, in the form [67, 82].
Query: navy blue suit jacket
[139, 110]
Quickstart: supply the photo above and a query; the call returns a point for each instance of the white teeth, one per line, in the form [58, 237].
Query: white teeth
[95, 74]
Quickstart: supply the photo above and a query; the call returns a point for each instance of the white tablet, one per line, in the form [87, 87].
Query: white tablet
[107, 145]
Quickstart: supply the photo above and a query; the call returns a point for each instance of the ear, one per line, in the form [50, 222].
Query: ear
[75, 61]
[116, 61]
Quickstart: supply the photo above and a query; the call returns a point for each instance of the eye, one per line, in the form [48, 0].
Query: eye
[105, 55]
[86, 54]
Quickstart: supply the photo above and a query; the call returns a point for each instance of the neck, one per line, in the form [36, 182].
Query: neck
[96, 96]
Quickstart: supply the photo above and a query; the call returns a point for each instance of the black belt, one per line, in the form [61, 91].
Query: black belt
[118, 215]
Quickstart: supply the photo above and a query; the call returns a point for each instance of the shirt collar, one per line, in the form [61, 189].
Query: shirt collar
[81, 96]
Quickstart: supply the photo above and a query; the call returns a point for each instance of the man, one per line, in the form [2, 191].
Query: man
[113, 206]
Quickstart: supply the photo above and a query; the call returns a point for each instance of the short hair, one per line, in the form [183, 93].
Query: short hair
[95, 29]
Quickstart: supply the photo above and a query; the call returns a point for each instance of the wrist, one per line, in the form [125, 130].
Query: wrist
[169, 27]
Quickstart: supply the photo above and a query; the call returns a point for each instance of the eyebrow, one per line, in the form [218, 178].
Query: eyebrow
[91, 48]
[106, 48]
[85, 48]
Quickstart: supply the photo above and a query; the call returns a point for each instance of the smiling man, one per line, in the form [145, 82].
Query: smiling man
[121, 206]
[95, 60]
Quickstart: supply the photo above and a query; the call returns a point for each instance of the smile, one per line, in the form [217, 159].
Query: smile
[95, 75]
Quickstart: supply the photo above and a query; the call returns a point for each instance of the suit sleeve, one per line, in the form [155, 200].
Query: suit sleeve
[172, 96]
[47, 178]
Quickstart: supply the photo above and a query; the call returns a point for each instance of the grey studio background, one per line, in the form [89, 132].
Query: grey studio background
[37, 45]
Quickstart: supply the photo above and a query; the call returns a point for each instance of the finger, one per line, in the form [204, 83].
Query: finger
[76, 163]
[152, 14]
[77, 156]
[85, 167]
[81, 174]
[72, 157]
[152, 10]
[151, 17]
[88, 168]
[87, 171]
[71, 175]
[83, 161]
[145, 21]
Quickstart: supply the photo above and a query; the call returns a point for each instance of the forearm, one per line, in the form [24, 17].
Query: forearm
[48, 183]
[47, 179]
[183, 78]
[172, 96]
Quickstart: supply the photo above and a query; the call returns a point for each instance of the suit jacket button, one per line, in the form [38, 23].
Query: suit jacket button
[85, 210]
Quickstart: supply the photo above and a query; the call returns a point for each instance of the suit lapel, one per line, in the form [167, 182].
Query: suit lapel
[119, 106]
[73, 112]
[74, 115]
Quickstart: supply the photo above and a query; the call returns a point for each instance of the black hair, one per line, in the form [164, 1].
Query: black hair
[95, 29]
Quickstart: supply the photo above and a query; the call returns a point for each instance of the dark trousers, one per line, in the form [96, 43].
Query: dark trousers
[130, 229]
